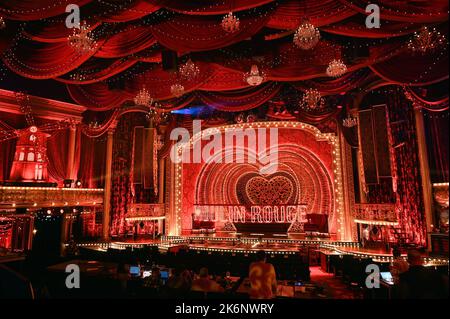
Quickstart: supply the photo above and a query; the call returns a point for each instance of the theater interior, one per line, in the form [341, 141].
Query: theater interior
[224, 149]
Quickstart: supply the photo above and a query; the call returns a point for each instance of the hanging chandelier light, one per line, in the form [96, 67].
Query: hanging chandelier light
[231, 23]
[157, 116]
[189, 70]
[82, 39]
[336, 69]
[177, 90]
[426, 40]
[307, 36]
[2, 23]
[143, 98]
[254, 77]
[312, 100]
[350, 121]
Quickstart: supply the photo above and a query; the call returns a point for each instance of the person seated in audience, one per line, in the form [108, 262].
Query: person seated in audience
[180, 279]
[420, 282]
[204, 283]
[398, 266]
[154, 281]
[263, 279]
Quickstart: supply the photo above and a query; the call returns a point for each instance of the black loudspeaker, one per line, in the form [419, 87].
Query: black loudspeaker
[357, 51]
[169, 60]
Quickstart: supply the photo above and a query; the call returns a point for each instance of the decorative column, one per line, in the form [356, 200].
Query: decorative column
[348, 188]
[108, 183]
[71, 151]
[424, 172]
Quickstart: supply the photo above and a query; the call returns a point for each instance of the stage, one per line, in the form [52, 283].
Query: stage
[234, 244]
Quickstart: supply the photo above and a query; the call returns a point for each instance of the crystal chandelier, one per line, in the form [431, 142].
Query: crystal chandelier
[177, 90]
[350, 121]
[336, 69]
[189, 70]
[231, 23]
[254, 77]
[307, 36]
[143, 98]
[156, 116]
[2, 23]
[312, 100]
[82, 39]
[426, 40]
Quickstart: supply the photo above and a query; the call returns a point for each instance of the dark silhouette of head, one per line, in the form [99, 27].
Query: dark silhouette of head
[396, 252]
[261, 256]
[415, 257]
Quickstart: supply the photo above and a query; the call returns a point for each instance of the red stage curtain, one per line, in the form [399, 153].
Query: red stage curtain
[7, 151]
[57, 156]
[437, 130]
[92, 162]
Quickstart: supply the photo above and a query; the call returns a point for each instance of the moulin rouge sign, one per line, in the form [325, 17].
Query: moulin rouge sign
[278, 214]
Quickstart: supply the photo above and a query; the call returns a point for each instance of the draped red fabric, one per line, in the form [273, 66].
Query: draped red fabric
[438, 105]
[77, 156]
[438, 148]
[57, 156]
[128, 41]
[7, 151]
[25, 10]
[53, 31]
[138, 9]
[99, 71]
[430, 11]
[187, 33]
[289, 14]
[86, 171]
[358, 29]
[200, 7]
[414, 70]
[241, 100]
[341, 85]
[128, 48]
[44, 60]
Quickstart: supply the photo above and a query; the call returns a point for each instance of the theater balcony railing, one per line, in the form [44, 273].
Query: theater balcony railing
[146, 212]
[376, 214]
[37, 197]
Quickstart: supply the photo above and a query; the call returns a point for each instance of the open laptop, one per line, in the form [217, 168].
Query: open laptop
[387, 277]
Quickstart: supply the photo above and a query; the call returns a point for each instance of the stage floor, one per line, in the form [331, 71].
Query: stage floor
[231, 242]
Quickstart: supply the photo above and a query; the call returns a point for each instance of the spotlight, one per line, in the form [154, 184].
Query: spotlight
[78, 184]
[49, 212]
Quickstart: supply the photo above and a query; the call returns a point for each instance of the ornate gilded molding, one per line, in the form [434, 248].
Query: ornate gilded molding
[30, 197]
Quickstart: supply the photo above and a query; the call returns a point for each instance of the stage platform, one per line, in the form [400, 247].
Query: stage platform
[230, 243]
